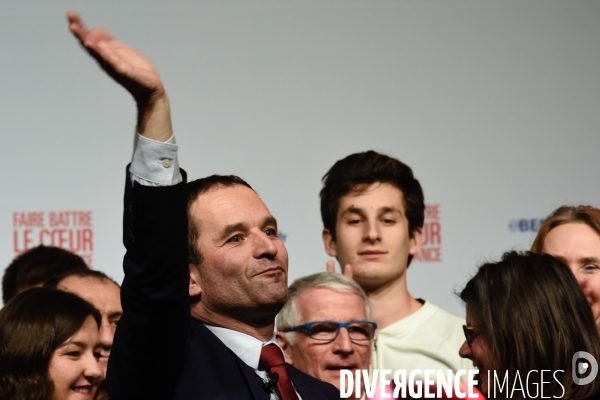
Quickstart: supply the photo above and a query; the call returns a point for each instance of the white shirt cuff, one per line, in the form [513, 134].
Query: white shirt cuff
[155, 163]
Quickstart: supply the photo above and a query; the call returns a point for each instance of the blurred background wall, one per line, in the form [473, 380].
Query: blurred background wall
[495, 106]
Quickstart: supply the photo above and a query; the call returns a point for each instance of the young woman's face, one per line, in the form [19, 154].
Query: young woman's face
[478, 352]
[74, 367]
[578, 246]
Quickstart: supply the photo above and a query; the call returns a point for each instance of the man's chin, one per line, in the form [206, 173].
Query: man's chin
[275, 295]
[372, 279]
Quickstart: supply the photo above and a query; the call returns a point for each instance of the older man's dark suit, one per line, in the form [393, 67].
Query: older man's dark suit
[159, 351]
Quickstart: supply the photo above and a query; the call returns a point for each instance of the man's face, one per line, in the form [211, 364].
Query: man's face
[372, 235]
[321, 359]
[106, 297]
[578, 246]
[244, 264]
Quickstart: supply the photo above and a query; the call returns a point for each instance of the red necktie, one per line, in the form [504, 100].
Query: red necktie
[271, 359]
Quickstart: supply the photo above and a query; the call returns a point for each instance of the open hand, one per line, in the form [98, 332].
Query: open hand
[124, 64]
[134, 72]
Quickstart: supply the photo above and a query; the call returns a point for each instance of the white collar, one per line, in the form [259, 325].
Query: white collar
[244, 346]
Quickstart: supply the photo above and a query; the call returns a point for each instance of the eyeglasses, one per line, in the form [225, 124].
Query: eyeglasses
[470, 333]
[329, 330]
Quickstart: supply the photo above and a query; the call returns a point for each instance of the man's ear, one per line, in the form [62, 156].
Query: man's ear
[330, 246]
[195, 289]
[416, 241]
[285, 346]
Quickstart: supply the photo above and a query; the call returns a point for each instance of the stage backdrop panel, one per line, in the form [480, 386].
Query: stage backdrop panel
[494, 105]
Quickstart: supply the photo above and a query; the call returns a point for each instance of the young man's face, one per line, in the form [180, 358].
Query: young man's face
[372, 235]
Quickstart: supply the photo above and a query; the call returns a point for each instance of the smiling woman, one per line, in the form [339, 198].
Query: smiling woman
[49, 344]
[572, 234]
[527, 326]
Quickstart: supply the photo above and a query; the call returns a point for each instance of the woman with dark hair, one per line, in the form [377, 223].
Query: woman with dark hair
[572, 234]
[49, 344]
[526, 319]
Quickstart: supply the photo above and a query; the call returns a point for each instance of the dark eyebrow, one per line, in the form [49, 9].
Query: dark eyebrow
[584, 260]
[360, 211]
[115, 314]
[385, 210]
[587, 260]
[229, 229]
[353, 210]
[242, 226]
[79, 344]
[270, 220]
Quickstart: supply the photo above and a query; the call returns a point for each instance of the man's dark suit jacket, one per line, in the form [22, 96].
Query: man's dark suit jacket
[159, 351]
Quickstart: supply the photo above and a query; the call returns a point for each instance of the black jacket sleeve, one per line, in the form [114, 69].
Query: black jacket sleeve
[150, 341]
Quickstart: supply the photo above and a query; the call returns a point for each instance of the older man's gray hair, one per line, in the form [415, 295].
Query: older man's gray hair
[290, 315]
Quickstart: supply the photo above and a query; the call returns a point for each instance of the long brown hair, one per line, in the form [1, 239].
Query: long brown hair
[563, 215]
[32, 325]
[530, 312]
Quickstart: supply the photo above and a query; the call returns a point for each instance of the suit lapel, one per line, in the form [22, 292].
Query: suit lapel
[252, 379]
[250, 376]
[304, 389]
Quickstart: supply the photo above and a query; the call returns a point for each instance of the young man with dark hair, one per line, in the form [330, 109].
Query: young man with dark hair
[38, 264]
[373, 211]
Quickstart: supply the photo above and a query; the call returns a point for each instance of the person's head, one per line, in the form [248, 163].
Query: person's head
[49, 346]
[373, 211]
[326, 297]
[526, 313]
[103, 293]
[238, 264]
[572, 234]
[33, 267]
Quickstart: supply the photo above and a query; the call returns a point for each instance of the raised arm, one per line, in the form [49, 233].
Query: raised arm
[134, 72]
[149, 345]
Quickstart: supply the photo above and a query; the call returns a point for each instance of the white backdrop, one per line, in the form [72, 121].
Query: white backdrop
[495, 106]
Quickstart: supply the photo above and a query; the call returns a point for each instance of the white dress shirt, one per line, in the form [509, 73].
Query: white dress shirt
[247, 348]
[155, 163]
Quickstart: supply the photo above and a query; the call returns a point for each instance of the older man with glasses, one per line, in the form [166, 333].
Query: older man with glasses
[325, 327]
